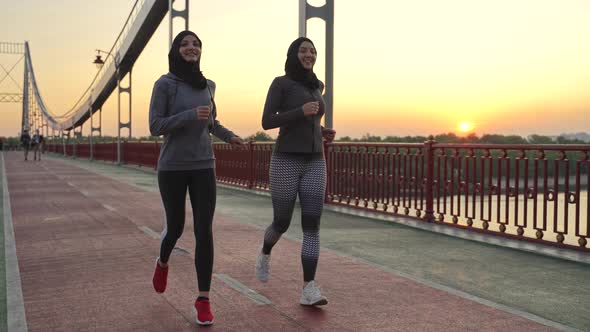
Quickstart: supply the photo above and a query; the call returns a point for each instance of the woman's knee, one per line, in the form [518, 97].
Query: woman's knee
[281, 225]
[310, 223]
[173, 234]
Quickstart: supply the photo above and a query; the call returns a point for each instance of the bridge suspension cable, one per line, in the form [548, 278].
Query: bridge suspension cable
[140, 25]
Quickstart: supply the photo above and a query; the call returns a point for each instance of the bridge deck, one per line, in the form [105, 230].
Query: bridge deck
[85, 247]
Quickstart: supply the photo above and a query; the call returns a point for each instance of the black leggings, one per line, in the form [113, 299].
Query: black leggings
[202, 191]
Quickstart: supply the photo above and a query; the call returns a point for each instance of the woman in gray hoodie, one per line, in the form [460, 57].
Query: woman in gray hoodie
[183, 110]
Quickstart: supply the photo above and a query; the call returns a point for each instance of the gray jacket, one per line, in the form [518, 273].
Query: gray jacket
[284, 109]
[187, 141]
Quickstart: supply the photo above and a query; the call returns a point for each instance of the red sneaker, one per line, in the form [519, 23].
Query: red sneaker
[203, 312]
[160, 278]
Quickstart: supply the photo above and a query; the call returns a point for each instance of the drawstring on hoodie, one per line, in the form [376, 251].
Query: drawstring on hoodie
[213, 107]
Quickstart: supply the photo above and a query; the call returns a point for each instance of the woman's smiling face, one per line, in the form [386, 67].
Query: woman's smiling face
[307, 55]
[190, 49]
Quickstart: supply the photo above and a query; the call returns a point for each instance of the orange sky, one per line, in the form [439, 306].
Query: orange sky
[401, 67]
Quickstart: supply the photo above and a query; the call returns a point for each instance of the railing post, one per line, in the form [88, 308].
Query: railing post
[327, 157]
[251, 164]
[122, 153]
[63, 144]
[91, 156]
[155, 156]
[429, 152]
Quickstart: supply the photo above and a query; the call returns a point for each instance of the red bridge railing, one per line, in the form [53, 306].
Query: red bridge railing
[537, 193]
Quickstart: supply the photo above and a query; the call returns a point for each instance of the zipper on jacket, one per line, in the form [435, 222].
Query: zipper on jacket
[313, 124]
[312, 135]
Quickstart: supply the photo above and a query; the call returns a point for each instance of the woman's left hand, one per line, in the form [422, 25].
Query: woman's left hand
[328, 134]
[236, 141]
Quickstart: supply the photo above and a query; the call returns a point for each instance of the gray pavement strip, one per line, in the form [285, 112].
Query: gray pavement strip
[16, 320]
[245, 190]
[243, 289]
[535, 248]
[457, 292]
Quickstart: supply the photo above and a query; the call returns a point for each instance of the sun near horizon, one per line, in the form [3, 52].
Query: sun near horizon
[465, 127]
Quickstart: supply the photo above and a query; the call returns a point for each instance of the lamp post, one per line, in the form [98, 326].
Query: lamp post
[99, 62]
[90, 116]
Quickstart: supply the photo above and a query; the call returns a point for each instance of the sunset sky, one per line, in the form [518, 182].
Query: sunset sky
[414, 67]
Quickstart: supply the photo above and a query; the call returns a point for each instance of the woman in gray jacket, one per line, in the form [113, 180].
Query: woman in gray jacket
[295, 105]
[183, 110]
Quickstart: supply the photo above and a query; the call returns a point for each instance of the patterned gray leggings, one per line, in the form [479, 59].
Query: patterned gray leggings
[291, 175]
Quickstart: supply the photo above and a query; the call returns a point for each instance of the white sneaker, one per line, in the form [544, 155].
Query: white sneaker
[262, 266]
[311, 295]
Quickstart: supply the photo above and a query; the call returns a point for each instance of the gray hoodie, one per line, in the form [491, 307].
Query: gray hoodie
[187, 141]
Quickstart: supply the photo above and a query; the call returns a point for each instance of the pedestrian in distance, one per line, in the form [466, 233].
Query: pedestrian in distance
[298, 168]
[183, 109]
[25, 140]
[37, 145]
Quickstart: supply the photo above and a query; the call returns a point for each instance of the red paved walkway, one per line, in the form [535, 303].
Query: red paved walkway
[86, 265]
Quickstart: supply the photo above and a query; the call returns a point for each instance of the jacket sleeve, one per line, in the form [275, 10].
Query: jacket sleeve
[273, 116]
[218, 129]
[160, 122]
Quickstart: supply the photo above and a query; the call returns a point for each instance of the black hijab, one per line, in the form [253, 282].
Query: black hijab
[295, 70]
[187, 71]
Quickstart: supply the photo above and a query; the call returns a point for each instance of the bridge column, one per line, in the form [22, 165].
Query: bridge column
[45, 130]
[326, 13]
[25, 115]
[77, 137]
[90, 156]
[64, 140]
[93, 129]
[121, 124]
[177, 13]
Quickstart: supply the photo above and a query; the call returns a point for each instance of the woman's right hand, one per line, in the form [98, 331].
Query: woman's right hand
[203, 112]
[311, 108]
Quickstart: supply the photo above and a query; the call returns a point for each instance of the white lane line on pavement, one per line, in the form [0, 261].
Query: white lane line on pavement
[16, 320]
[243, 289]
[85, 193]
[110, 208]
[150, 232]
[181, 251]
[157, 236]
[71, 184]
[53, 218]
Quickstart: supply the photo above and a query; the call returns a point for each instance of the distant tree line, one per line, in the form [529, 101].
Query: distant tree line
[262, 136]
[471, 138]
